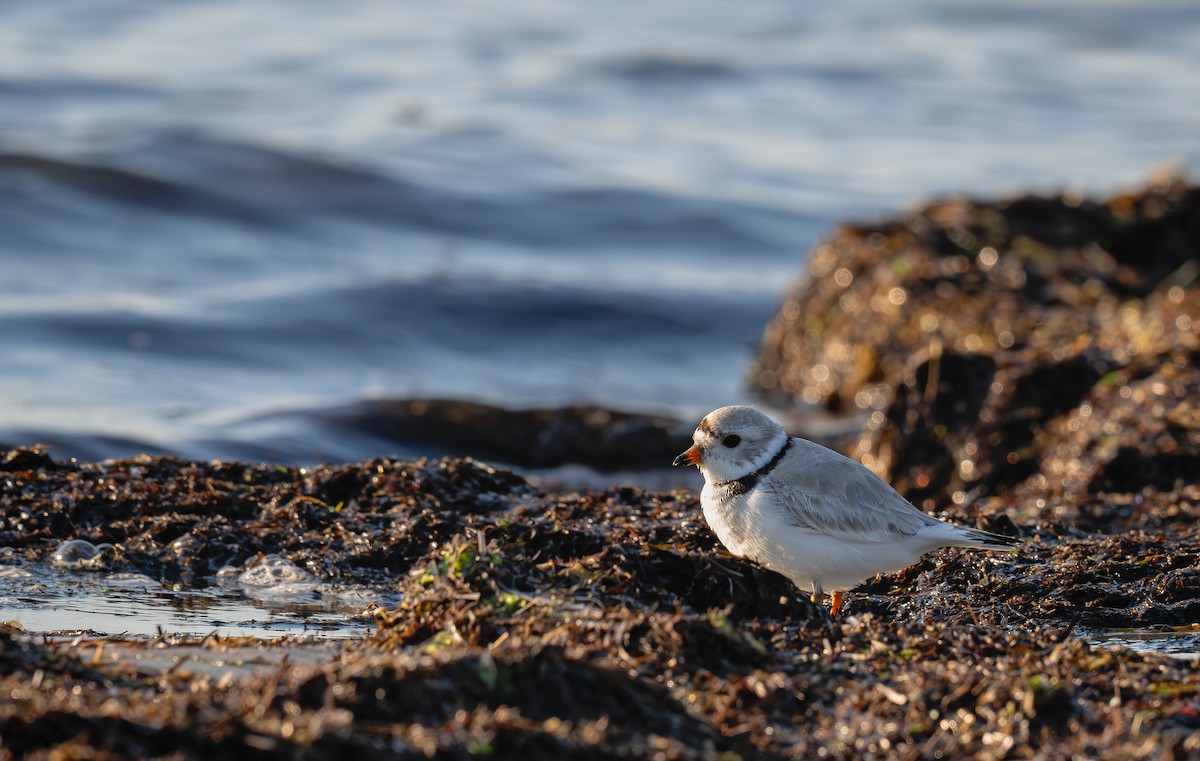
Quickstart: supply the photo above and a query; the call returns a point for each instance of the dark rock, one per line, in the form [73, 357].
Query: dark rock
[32, 458]
[1165, 471]
[926, 418]
[603, 439]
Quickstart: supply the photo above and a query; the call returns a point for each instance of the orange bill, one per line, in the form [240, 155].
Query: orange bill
[690, 456]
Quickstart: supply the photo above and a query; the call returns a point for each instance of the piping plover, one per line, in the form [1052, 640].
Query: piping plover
[817, 517]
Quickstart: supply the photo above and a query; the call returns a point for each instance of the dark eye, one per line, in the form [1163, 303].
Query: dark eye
[732, 440]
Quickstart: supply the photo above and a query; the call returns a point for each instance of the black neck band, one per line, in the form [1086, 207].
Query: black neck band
[739, 486]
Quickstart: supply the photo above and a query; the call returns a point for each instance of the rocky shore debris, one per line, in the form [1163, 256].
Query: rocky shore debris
[584, 625]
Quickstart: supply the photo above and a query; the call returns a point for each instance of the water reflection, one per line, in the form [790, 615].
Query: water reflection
[1176, 641]
[57, 599]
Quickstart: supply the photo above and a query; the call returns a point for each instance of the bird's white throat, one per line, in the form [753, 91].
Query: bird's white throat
[722, 467]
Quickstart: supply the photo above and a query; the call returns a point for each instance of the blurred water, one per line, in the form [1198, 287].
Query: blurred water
[44, 599]
[214, 212]
[1175, 641]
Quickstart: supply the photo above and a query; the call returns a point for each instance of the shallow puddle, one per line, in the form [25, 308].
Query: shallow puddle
[1176, 641]
[186, 657]
[262, 602]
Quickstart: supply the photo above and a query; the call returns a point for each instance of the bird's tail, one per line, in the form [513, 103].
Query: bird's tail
[988, 541]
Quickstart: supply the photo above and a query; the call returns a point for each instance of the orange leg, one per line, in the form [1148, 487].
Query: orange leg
[837, 603]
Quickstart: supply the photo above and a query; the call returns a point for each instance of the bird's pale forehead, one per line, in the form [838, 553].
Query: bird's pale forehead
[714, 425]
[732, 416]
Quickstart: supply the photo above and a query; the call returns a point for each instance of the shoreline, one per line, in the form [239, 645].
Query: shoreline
[1030, 367]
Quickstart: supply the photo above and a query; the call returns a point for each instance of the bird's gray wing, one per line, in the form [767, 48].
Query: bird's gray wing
[826, 493]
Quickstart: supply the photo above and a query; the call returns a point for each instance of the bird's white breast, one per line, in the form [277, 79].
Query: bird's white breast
[750, 526]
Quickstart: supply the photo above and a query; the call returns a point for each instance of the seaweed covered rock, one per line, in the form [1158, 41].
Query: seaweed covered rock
[967, 331]
[183, 521]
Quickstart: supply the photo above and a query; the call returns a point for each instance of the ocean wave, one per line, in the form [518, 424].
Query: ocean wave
[189, 174]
